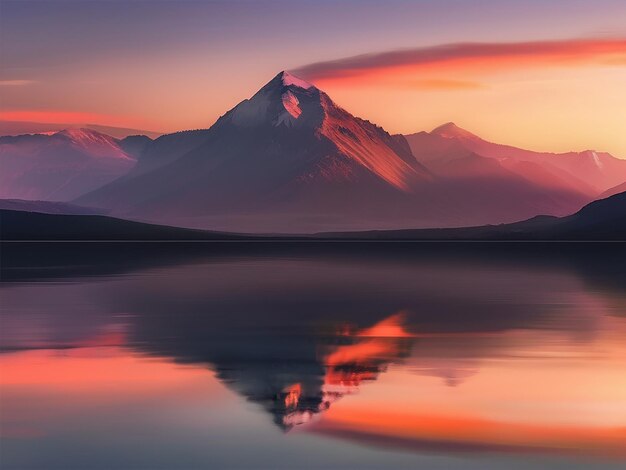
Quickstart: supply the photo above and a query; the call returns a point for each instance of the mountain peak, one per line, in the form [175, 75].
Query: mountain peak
[84, 136]
[79, 133]
[450, 129]
[95, 143]
[286, 100]
[289, 79]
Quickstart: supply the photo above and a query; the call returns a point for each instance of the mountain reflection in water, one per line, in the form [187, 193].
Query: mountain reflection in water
[430, 353]
[346, 360]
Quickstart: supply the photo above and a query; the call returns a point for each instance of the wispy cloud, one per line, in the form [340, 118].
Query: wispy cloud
[476, 56]
[73, 117]
[16, 82]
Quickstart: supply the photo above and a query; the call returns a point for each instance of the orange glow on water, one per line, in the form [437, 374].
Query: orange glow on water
[104, 339]
[541, 394]
[348, 365]
[390, 327]
[410, 428]
[292, 396]
[361, 353]
[90, 370]
[379, 345]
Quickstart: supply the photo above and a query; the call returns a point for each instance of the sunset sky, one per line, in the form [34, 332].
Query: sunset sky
[537, 74]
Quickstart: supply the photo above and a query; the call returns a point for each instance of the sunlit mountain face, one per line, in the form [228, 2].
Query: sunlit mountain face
[407, 353]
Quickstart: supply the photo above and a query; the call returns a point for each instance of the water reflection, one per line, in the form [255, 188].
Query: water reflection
[451, 355]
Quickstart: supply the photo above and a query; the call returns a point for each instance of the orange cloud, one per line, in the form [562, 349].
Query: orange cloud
[473, 57]
[73, 117]
[443, 84]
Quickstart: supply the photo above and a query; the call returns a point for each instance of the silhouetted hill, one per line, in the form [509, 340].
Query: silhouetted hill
[21, 225]
[48, 207]
[604, 219]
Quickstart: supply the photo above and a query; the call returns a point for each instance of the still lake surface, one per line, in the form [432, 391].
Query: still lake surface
[433, 356]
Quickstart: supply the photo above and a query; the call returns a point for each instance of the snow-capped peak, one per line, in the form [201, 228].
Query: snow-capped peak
[83, 135]
[94, 142]
[451, 130]
[284, 100]
[291, 80]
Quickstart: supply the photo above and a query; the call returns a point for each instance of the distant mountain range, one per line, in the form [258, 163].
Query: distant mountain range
[14, 128]
[290, 160]
[600, 220]
[451, 151]
[63, 165]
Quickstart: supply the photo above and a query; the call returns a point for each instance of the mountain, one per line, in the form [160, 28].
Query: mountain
[587, 172]
[605, 216]
[135, 145]
[47, 207]
[14, 128]
[160, 152]
[287, 159]
[290, 160]
[620, 188]
[60, 166]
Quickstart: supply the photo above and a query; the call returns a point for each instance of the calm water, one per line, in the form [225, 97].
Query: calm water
[429, 356]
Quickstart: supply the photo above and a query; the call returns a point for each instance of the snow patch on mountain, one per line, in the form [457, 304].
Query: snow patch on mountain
[291, 104]
[597, 160]
[94, 143]
[292, 110]
[292, 80]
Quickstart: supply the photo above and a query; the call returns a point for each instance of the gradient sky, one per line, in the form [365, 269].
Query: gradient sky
[545, 75]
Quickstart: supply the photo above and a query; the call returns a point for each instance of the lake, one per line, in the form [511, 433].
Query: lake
[320, 355]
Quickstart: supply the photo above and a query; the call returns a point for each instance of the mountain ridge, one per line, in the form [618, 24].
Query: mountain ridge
[594, 172]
